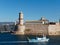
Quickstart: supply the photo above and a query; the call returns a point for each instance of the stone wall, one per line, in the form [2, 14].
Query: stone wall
[36, 29]
[54, 29]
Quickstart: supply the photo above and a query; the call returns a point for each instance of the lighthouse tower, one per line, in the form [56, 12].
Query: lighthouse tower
[21, 27]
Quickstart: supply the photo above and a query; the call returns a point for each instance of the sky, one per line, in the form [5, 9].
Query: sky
[32, 10]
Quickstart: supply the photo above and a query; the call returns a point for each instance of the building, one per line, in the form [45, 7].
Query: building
[37, 27]
[7, 26]
[20, 25]
[42, 26]
[32, 27]
[54, 29]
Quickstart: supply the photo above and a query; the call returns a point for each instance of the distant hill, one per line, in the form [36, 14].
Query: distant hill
[7, 23]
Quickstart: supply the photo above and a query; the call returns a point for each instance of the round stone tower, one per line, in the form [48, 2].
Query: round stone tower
[21, 18]
[21, 27]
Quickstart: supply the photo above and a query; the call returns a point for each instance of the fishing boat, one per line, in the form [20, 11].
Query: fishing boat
[38, 39]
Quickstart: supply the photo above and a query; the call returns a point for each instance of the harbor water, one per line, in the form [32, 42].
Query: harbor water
[10, 39]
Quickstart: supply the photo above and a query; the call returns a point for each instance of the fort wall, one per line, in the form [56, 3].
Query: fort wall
[54, 29]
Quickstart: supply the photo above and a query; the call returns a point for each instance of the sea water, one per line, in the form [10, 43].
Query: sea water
[10, 39]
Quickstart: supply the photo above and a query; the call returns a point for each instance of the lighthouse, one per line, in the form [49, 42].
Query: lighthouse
[20, 26]
[21, 19]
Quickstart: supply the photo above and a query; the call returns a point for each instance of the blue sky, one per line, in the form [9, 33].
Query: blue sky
[32, 9]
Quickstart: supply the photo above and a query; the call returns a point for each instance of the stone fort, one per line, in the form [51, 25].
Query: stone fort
[32, 27]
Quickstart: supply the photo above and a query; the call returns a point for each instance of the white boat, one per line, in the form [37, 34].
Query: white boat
[38, 39]
[43, 39]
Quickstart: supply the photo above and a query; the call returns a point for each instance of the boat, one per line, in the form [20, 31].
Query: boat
[38, 39]
[43, 39]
